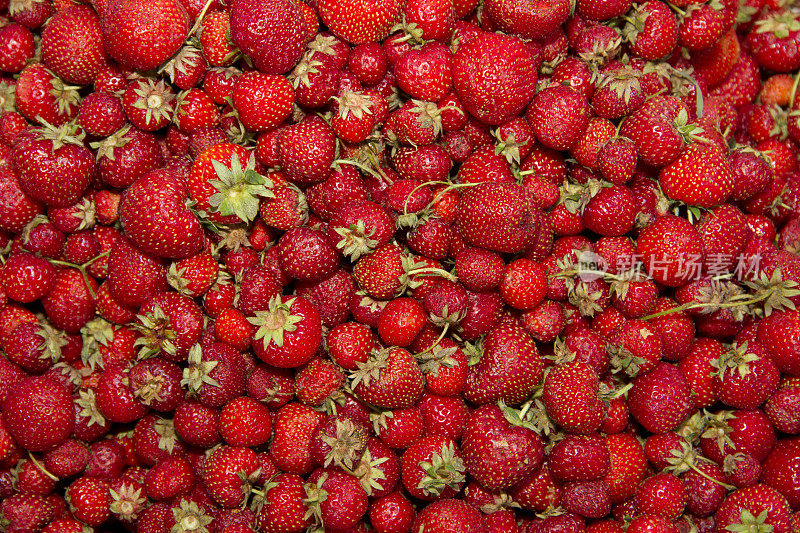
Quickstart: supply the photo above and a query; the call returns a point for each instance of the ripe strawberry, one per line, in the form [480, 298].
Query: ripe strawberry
[742, 83]
[500, 447]
[559, 116]
[275, 46]
[359, 21]
[661, 399]
[700, 177]
[38, 413]
[600, 10]
[245, 422]
[671, 250]
[195, 111]
[148, 104]
[229, 473]
[389, 379]
[283, 508]
[288, 333]
[131, 30]
[778, 469]
[775, 334]
[652, 30]
[54, 166]
[571, 397]
[293, 429]
[529, 21]
[433, 468]
[43, 97]
[774, 40]
[498, 217]
[745, 376]
[449, 516]
[173, 230]
[72, 45]
[756, 506]
[252, 91]
[21, 47]
[503, 92]
[491, 378]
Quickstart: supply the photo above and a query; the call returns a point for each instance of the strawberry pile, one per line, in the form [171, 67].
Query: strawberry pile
[429, 266]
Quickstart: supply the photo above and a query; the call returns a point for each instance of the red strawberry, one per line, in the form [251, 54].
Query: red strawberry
[500, 447]
[671, 250]
[72, 45]
[335, 498]
[779, 469]
[294, 427]
[652, 30]
[571, 397]
[389, 379]
[529, 20]
[449, 516]
[282, 508]
[502, 217]
[228, 474]
[502, 92]
[288, 333]
[359, 21]
[38, 413]
[700, 177]
[307, 150]
[43, 97]
[759, 506]
[628, 466]
[170, 231]
[262, 101]
[141, 34]
[433, 468]
[54, 166]
[271, 32]
[774, 41]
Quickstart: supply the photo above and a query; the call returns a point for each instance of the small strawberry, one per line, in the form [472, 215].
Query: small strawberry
[359, 21]
[389, 379]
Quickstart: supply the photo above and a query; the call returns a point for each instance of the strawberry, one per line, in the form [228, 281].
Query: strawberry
[293, 429]
[195, 111]
[652, 30]
[228, 474]
[126, 155]
[54, 166]
[503, 92]
[774, 40]
[131, 28]
[389, 379]
[359, 21]
[745, 376]
[335, 498]
[282, 508]
[559, 116]
[390, 512]
[43, 97]
[173, 231]
[250, 93]
[288, 333]
[668, 384]
[671, 250]
[700, 177]
[669, 117]
[529, 21]
[307, 150]
[500, 447]
[38, 413]
[777, 470]
[271, 32]
[245, 422]
[449, 516]
[498, 217]
[425, 74]
[72, 45]
[742, 83]
[571, 397]
[148, 104]
[433, 468]
[775, 334]
[490, 379]
[600, 10]
[15, 58]
[781, 407]
[758, 506]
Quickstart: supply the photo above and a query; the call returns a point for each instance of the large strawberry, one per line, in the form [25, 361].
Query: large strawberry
[53, 164]
[672, 250]
[360, 21]
[502, 217]
[495, 76]
[38, 413]
[154, 215]
[500, 447]
[390, 379]
[72, 45]
[272, 33]
[143, 34]
[528, 19]
[700, 177]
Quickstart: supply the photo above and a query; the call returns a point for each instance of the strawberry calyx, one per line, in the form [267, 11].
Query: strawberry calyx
[602, 51]
[197, 373]
[105, 147]
[575, 196]
[188, 57]
[157, 334]
[736, 360]
[355, 240]
[8, 96]
[97, 332]
[127, 501]
[435, 357]
[346, 445]
[685, 459]
[52, 342]
[275, 321]
[88, 404]
[412, 33]
[156, 99]
[69, 133]
[428, 115]
[190, 518]
[315, 495]
[780, 24]
[751, 524]
[444, 470]
[583, 297]
[167, 436]
[371, 368]
[353, 103]
[151, 389]
[368, 473]
[239, 188]
[305, 68]
[690, 132]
